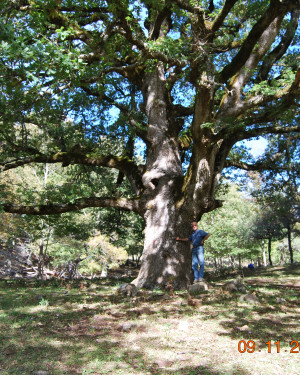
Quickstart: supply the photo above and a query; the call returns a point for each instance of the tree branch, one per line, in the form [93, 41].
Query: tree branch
[186, 5]
[140, 132]
[276, 111]
[229, 4]
[286, 95]
[276, 9]
[228, 47]
[281, 48]
[259, 166]
[163, 18]
[182, 111]
[247, 134]
[79, 204]
[285, 98]
[58, 19]
[123, 164]
[138, 41]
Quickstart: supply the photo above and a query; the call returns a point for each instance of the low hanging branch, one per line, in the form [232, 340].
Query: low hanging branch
[123, 164]
[78, 204]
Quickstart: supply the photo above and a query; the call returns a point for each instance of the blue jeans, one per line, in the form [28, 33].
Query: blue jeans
[198, 259]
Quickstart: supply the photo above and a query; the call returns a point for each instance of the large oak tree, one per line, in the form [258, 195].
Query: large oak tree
[188, 79]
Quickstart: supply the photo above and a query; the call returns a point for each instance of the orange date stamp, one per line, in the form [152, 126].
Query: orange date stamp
[250, 347]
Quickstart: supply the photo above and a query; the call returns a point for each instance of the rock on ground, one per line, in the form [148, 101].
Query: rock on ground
[234, 286]
[250, 298]
[201, 286]
[129, 290]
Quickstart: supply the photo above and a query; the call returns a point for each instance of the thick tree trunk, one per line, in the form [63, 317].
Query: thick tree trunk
[163, 258]
[171, 200]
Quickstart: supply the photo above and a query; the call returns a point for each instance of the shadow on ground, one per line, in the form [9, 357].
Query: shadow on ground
[80, 327]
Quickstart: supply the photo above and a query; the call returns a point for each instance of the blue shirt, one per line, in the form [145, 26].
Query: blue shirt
[197, 237]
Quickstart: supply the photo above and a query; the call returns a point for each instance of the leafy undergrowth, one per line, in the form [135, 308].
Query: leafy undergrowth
[86, 327]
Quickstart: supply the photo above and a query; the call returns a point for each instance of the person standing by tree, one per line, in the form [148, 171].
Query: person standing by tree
[197, 238]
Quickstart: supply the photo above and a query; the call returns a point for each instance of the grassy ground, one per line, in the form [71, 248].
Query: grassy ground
[87, 328]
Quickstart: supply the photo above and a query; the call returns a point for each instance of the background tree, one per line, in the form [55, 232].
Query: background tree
[268, 227]
[231, 227]
[186, 80]
[65, 238]
[277, 188]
